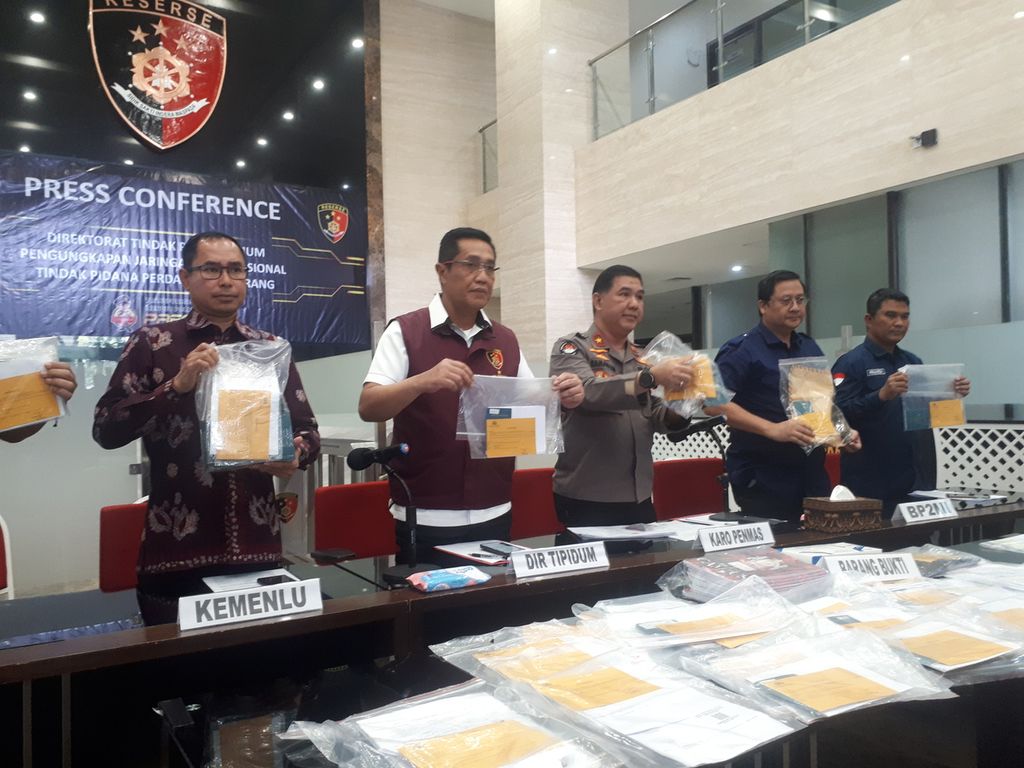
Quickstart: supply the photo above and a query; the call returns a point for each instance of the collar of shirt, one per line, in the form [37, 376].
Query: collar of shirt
[439, 320]
[877, 351]
[197, 321]
[770, 339]
[622, 355]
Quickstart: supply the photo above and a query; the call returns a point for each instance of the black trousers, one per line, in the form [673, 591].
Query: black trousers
[428, 536]
[577, 512]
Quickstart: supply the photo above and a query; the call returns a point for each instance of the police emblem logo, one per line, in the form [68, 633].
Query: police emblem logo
[567, 348]
[123, 316]
[496, 358]
[161, 63]
[333, 220]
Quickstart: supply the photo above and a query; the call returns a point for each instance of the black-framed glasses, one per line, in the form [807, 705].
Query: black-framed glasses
[214, 271]
[476, 266]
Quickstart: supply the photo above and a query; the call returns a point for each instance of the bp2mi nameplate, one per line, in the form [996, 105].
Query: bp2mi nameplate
[913, 512]
[214, 608]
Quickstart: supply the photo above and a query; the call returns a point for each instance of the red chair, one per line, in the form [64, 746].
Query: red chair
[355, 516]
[685, 487]
[121, 529]
[533, 505]
[832, 467]
[6, 579]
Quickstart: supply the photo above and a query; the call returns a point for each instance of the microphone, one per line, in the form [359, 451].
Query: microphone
[704, 425]
[361, 458]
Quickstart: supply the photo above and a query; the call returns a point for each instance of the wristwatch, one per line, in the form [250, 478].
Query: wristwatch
[646, 379]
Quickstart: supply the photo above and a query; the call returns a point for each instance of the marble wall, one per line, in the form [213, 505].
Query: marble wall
[823, 124]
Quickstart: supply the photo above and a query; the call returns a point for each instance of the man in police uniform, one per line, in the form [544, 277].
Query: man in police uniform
[769, 470]
[605, 474]
[868, 385]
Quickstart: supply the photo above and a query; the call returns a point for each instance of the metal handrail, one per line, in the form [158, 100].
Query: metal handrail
[639, 32]
[493, 122]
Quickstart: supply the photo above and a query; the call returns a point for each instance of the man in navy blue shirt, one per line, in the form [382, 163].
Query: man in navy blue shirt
[769, 470]
[868, 385]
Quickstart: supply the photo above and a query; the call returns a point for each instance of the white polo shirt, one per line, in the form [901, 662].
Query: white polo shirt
[390, 365]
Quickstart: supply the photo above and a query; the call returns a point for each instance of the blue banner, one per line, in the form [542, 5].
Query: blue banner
[94, 250]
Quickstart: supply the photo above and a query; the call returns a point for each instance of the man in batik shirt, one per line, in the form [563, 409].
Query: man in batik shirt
[199, 522]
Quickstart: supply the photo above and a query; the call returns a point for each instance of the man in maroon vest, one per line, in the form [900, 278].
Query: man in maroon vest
[422, 362]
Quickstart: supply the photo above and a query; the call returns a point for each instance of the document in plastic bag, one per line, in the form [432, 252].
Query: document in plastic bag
[503, 416]
[25, 399]
[931, 401]
[706, 389]
[945, 647]
[808, 395]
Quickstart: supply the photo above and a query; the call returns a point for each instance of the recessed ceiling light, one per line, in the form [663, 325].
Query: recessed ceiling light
[240, 163]
[288, 115]
[905, 58]
[128, 161]
[357, 42]
[1019, 15]
[30, 95]
[37, 17]
[24, 148]
[262, 141]
[344, 186]
[552, 51]
[568, 90]
[737, 267]
[318, 84]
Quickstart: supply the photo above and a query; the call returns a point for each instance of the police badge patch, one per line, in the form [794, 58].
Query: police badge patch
[161, 63]
[496, 359]
[333, 220]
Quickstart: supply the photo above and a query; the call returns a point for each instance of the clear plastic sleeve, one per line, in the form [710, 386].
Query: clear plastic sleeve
[707, 577]
[930, 400]
[25, 399]
[470, 724]
[707, 388]
[242, 407]
[504, 416]
[808, 394]
[933, 561]
[825, 675]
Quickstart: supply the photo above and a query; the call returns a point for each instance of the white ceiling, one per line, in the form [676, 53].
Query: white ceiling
[482, 9]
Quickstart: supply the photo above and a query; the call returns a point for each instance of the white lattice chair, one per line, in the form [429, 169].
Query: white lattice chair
[983, 456]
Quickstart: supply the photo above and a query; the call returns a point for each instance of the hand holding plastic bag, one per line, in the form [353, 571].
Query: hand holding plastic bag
[932, 399]
[25, 398]
[808, 395]
[242, 408]
[706, 389]
[504, 416]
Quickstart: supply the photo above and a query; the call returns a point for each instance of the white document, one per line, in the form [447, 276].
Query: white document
[961, 499]
[1013, 543]
[234, 581]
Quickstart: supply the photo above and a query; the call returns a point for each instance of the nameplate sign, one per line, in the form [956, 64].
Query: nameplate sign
[211, 609]
[913, 512]
[735, 536]
[880, 567]
[575, 557]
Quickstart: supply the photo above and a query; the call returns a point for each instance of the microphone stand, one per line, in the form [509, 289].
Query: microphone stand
[396, 575]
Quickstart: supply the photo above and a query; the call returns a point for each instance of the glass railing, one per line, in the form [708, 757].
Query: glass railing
[489, 148]
[703, 43]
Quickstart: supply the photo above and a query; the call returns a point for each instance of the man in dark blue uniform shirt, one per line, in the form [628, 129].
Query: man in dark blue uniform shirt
[868, 385]
[769, 470]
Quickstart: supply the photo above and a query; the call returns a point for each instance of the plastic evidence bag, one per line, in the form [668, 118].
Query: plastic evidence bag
[706, 389]
[25, 399]
[242, 407]
[930, 400]
[504, 416]
[808, 394]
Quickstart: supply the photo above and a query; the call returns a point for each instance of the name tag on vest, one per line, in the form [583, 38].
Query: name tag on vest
[575, 557]
[209, 610]
[913, 512]
[735, 536]
[874, 567]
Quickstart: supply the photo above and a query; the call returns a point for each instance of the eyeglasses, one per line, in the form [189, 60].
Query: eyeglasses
[214, 271]
[476, 266]
[788, 301]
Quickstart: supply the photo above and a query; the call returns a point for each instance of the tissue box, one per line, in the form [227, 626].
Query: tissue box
[823, 514]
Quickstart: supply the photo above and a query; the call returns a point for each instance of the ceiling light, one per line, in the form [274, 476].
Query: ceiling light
[37, 17]
[552, 51]
[905, 58]
[129, 162]
[288, 115]
[262, 141]
[1019, 15]
[318, 84]
[344, 186]
[357, 43]
[240, 163]
[568, 90]
[737, 267]
[30, 95]
[24, 148]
